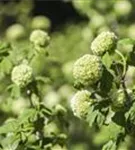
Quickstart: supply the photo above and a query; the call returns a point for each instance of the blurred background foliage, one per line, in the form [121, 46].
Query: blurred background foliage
[72, 25]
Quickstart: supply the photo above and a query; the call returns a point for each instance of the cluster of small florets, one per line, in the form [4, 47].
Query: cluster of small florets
[80, 103]
[106, 41]
[120, 100]
[87, 70]
[39, 38]
[22, 75]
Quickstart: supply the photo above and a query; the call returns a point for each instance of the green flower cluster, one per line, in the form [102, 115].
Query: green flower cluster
[39, 38]
[15, 32]
[122, 7]
[80, 103]
[40, 22]
[119, 101]
[105, 41]
[22, 75]
[87, 70]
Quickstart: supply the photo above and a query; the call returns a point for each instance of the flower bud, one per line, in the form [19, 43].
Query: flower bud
[15, 32]
[40, 22]
[21, 75]
[39, 38]
[80, 103]
[105, 41]
[51, 99]
[122, 7]
[97, 21]
[82, 6]
[87, 70]
[51, 129]
[120, 100]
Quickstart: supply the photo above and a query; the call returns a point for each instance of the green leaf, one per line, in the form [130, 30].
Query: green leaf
[95, 117]
[46, 111]
[119, 118]
[91, 116]
[111, 145]
[28, 115]
[11, 142]
[126, 41]
[11, 126]
[130, 115]
[131, 58]
[44, 80]
[106, 82]
[97, 114]
[118, 68]
[4, 49]
[35, 100]
[107, 60]
[15, 92]
[100, 119]
[6, 65]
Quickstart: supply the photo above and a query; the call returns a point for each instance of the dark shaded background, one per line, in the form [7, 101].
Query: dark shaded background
[58, 11]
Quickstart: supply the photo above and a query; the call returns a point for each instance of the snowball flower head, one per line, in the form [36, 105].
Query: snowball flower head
[104, 42]
[82, 5]
[80, 103]
[122, 7]
[39, 38]
[40, 22]
[22, 75]
[15, 32]
[87, 70]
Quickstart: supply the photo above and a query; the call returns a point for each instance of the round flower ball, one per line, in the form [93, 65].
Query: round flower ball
[120, 100]
[97, 21]
[15, 32]
[39, 38]
[51, 129]
[82, 6]
[105, 41]
[122, 7]
[80, 103]
[22, 75]
[87, 70]
[40, 22]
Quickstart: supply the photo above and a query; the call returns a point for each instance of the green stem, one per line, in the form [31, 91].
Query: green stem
[124, 73]
[124, 62]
